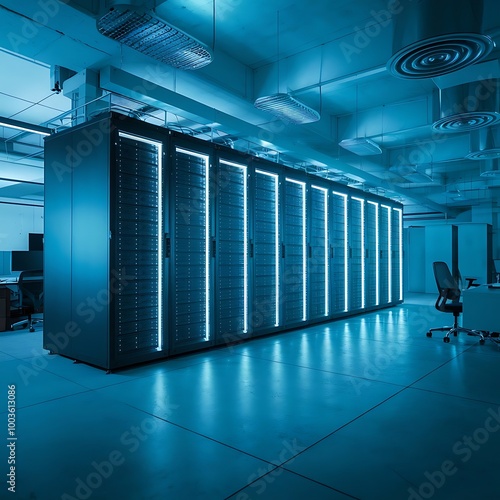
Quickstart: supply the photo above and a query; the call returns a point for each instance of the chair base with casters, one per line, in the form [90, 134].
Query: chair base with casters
[29, 322]
[455, 330]
[30, 302]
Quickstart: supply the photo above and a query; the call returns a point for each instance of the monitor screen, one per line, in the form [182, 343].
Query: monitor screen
[35, 241]
[496, 263]
[27, 261]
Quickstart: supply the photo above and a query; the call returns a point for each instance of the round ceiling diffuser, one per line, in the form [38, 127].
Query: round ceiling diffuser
[439, 55]
[432, 38]
[484, 144]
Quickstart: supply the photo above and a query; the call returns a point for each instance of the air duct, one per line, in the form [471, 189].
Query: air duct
[136, 26]
[468, 107]
[435, 37]
[484, 144]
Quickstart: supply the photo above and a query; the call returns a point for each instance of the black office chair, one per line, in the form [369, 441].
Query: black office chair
[449, 301]
[30, 300]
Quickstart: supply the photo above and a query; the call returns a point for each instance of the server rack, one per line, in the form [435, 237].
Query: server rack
[158, 243]
[319, 250]
[294, 252]
[104, 235]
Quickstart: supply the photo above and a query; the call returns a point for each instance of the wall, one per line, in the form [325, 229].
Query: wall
[16, 221]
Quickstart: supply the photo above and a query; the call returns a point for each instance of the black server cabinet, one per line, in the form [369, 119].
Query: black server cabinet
[232, 251]
[267, 252]
[319, 249]
[397, 255]
[103, 236]
[192, 249]
[385, 253]
[372, 257]
[356, 253]
[294, 252]
[339, 253]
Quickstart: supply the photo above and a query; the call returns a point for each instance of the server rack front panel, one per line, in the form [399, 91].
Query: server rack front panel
[294, 252]
[319, 259]
[191, 326]
[231, 300]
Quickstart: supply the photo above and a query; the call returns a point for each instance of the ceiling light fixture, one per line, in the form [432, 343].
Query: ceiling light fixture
[361, 146]
[283, 105]
[427, 45]
[141, 30]
[25, 127]
[288, 109]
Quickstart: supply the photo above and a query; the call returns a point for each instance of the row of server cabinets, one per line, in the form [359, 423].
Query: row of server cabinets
[158, 243]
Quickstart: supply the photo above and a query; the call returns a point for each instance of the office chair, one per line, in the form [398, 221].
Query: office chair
[470, 281]
[30, 300]
[449, 301]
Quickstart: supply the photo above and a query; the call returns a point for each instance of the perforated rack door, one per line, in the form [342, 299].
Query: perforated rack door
[385, 254]
[137, 278]
[319, 249]
[266, 310]
[294, 283]
[397, 254]
[232, 251]
[357, 253]
[339, 253]
[371, 254]
[191, 249]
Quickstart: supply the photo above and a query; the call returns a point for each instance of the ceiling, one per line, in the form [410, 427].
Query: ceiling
[331, 55]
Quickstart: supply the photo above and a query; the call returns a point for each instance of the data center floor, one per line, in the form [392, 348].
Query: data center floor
[366, 407]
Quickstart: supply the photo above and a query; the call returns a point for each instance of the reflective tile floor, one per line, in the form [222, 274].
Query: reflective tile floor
[366, 407]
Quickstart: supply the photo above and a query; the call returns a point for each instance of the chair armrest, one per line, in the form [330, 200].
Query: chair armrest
[470, 282]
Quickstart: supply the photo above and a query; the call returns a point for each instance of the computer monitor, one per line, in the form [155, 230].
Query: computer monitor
[35, 241]
[496, 263]
[27, 260]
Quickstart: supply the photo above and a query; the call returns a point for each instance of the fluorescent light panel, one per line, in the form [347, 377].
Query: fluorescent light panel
[25, 127]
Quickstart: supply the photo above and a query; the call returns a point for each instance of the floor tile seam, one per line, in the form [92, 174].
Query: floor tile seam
[59, 398]
[354, 419]
[456, 396]
[296, 474]
[325, 371]
[199, 434]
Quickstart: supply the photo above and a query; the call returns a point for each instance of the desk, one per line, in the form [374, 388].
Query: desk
[8, 284]
[481, 308]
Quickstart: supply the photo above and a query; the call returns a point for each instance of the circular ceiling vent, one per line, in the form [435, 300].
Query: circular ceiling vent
[466, 122]
[439, 55]
[487, 154]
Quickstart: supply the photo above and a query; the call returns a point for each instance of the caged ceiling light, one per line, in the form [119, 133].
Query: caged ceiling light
[286, 108]
[142, 30]
[283, 105]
